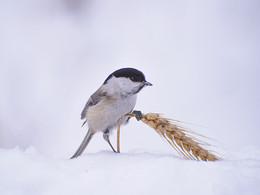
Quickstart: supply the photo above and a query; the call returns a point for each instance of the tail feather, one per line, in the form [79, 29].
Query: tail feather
[83, 145]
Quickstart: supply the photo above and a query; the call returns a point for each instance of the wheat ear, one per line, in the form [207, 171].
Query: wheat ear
[176, 136]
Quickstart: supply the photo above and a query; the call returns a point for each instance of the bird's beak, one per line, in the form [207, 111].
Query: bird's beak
[146, 83]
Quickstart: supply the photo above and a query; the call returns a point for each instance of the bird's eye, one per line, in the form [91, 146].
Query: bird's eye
[132, 78]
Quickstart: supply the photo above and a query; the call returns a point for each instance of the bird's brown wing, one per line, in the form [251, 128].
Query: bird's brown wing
[94, 99]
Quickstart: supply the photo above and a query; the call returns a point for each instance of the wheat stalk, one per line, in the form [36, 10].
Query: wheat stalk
[176, 136]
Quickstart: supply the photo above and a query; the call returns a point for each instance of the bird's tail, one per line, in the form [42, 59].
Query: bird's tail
[83, 145]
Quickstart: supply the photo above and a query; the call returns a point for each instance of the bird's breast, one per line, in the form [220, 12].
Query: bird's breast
[106, 113]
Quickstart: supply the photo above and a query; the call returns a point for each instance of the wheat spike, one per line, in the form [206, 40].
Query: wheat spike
[176, 136]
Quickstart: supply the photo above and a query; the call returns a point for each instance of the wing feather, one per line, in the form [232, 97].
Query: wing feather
[94, 99]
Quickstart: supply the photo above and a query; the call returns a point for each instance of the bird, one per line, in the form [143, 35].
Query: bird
[115, 98]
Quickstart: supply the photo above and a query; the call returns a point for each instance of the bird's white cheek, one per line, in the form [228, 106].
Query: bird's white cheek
[130, 87]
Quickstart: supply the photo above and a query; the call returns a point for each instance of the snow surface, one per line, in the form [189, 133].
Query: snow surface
[136, 172]
[202, 58]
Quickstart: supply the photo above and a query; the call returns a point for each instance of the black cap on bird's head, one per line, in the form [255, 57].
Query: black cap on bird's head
[131, 73]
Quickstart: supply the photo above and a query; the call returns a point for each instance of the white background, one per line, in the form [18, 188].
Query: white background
[201, 56]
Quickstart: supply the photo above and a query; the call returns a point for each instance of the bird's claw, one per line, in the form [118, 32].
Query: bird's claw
[138, 114]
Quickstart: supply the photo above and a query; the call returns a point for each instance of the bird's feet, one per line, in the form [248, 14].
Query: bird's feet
[138, 114]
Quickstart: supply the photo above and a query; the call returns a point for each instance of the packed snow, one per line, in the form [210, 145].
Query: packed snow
[202, 58]
[135, 172]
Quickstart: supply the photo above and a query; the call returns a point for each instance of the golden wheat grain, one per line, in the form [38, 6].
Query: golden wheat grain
[176, 136]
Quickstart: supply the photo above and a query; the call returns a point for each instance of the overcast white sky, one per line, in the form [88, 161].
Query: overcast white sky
[202, 57]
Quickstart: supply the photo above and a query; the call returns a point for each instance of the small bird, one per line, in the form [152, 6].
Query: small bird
[115, 98]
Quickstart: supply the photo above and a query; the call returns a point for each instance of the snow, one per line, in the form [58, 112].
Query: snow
[136, 172]
[202, 58]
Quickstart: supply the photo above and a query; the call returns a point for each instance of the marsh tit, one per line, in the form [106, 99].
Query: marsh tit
[115, 98]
